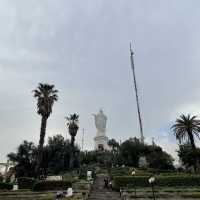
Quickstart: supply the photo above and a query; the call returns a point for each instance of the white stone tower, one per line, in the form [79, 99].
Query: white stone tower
[101, 140]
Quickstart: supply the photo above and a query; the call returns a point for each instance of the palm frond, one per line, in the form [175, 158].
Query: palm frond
[185, 126]
[46, 95]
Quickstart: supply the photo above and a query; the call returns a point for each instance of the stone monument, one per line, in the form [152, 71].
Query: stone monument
[101, 140]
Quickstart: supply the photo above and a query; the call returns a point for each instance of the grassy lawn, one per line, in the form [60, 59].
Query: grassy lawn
[25, 194]
[164, 193]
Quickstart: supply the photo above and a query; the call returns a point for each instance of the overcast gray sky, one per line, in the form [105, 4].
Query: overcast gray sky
[83, 48]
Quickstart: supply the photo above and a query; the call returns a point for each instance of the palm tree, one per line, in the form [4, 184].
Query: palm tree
[46, 95]
[72, 124]
[185, 129]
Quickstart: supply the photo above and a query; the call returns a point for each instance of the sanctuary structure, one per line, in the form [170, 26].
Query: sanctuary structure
[101, 140]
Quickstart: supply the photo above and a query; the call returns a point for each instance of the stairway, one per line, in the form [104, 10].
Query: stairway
[100, 193]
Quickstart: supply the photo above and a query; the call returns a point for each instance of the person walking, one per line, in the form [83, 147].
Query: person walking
[106, 183]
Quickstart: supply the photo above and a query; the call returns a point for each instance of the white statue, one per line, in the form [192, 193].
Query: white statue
[143, 162]
[100, 123]
[101, 140]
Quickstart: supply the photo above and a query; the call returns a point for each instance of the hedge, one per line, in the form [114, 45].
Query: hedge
[187, 180]
[25, 182]
[6, 186]
[149, 172]
[51, 185]
[127, 172]
[138, 173]
[142, 181]
[161, 171]
[124, 181]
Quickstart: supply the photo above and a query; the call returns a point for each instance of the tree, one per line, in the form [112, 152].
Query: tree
[25, 157]
[88, 157]
[1, 177]
[56, 157]
[46, 95]
[113, 144]
[72, 125]
[185, 129]
[58, 152]
[53, 159]
[131, 150]
[187, 155]
[159, 159]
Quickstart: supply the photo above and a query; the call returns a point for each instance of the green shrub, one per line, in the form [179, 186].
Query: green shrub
[6, 186]
[125, 181]
[51, 185]
[195, 195]
[169, 181]
[150, 170]
[127, 172]
[25, 182]
[186, 180]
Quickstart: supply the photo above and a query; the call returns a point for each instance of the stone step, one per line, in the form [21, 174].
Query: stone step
[100, 193]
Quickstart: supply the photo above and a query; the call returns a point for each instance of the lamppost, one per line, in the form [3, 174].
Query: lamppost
[133, 174]
[151, 181]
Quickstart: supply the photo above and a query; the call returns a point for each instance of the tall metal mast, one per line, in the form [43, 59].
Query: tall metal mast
[136, 94]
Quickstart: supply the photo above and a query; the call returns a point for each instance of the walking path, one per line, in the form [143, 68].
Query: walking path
[100, 193]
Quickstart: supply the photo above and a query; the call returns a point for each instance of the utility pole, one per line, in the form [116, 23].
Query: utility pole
[153, 142]
[136, 94]
[83, 138]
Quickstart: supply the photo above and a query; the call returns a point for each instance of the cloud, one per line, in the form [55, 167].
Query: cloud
[83, 48]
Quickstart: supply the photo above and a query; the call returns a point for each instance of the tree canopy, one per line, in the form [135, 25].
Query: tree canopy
[56, 157]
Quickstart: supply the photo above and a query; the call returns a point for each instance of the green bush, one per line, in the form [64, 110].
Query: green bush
[187, 180]
[127, 172]
[150, 170]
[125, 181]
[6, 186]
[25, 182]
[169, 181]
[51, 185]
[195, 195]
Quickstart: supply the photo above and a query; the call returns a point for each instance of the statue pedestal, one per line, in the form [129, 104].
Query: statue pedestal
[101, 143]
